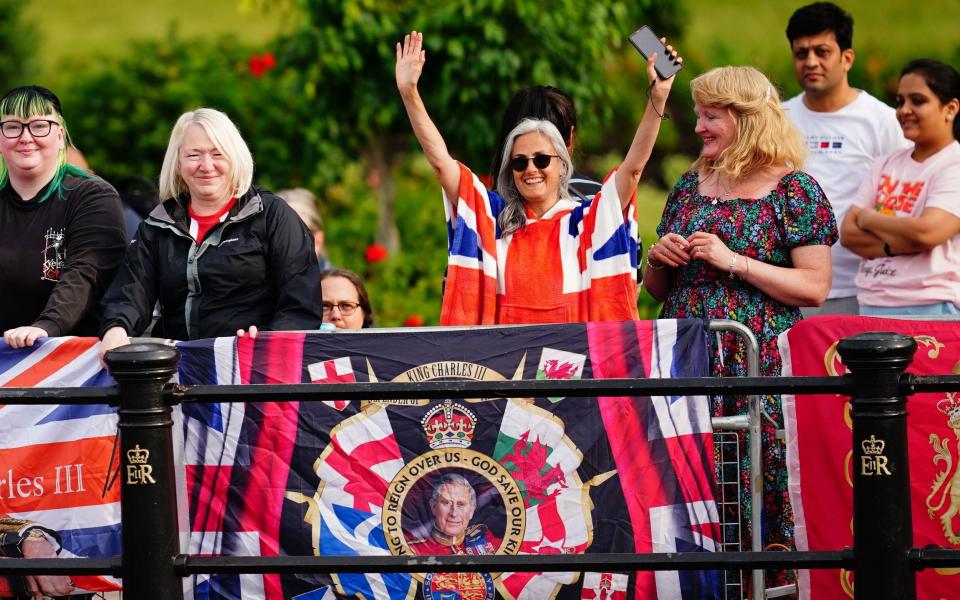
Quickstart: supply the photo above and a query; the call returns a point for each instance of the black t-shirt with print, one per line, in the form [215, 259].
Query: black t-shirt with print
[57, 257]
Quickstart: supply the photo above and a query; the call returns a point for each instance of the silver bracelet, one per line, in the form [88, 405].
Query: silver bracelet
[733, 265]
[653, 266]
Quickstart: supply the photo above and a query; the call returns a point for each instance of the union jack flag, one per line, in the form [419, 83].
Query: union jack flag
[64, 452]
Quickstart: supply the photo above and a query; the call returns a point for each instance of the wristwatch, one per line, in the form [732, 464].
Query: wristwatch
[13, 532]
[35, 533]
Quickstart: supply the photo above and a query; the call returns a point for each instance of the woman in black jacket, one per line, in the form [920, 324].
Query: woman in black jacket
[220, 255]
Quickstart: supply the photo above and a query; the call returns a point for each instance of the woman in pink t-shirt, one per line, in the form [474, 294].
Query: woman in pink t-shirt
[905, 221]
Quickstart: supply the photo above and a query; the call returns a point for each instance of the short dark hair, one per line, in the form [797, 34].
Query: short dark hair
[30, 101]
[362, 296]
[540, 102]
[819, 17]
[942, 79]
[32, 95]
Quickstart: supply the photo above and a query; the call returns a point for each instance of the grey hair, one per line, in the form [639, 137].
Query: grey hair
[513, 216]
[453, 479]
[304, 203]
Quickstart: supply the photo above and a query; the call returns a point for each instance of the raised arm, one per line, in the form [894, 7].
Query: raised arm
[628, 176]
[410, 59]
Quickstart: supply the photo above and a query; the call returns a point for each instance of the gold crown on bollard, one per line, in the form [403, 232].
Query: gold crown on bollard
[873, 446]
[449, 425]
[138, 455]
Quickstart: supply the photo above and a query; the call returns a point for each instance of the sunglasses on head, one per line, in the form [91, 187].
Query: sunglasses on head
[540, 161]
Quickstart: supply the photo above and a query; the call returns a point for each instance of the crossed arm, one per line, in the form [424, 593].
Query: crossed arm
[865, 232]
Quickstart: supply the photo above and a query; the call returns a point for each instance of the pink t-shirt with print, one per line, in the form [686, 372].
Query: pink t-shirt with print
[900, 185]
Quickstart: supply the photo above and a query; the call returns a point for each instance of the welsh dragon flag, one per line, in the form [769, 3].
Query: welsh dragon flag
[475, 476]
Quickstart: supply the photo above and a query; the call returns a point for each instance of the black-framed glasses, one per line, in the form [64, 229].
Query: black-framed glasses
[540, 161]
[38, 128]
[346, 308]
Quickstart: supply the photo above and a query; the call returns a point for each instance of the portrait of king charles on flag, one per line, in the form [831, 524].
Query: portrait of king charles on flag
[453, 502]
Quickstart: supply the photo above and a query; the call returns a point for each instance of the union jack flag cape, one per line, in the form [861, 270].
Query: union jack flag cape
[549, 475]
[496, 278]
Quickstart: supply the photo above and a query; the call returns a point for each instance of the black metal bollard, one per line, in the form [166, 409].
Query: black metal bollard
[882, 529]
[148, 501]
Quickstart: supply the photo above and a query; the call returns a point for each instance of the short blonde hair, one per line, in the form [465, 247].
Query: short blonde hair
[765, 136]
[304, 203]
[227, 139]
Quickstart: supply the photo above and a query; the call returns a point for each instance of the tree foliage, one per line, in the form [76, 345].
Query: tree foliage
[319, 109]
[17, 38]
[479, 52]
[121, 114]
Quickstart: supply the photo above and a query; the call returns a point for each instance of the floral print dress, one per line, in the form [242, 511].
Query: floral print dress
[796, 213]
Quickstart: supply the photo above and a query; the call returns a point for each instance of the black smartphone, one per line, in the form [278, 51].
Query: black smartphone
[646, 42]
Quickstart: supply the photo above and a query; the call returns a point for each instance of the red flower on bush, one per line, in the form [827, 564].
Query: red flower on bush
[375, 253]
[259, 64]
[413, 321]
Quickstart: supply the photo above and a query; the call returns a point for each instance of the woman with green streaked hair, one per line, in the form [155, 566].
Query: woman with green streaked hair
[62, 233]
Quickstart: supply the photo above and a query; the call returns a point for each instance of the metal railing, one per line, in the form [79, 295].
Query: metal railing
[152, 564]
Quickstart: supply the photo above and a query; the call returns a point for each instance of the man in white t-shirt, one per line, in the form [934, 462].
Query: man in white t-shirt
[845, 128]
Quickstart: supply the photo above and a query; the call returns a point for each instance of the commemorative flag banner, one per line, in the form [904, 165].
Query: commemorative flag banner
[475, 476]
[454, 476]
[820, 455]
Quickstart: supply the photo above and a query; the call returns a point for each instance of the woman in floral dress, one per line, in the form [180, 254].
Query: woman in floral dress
[745, 235]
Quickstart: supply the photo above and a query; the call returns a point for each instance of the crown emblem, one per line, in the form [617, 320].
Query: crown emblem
[873, 446]
[449, 425]
[138, 455]
[950, 406]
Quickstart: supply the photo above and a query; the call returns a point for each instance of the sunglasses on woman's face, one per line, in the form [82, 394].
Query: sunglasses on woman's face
[540, 161]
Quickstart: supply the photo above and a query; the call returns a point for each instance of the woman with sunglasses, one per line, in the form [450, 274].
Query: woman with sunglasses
[530, 253]
[63, 229]
[346, 303]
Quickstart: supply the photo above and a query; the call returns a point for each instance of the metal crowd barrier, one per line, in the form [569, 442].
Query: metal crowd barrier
[152, 564]
[728, 440]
